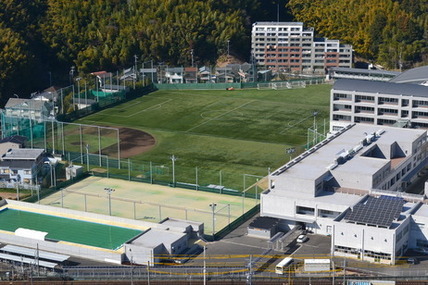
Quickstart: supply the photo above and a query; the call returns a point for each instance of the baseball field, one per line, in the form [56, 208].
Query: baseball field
[224, 134]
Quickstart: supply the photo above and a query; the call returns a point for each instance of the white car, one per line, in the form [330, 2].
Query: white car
[302, 238]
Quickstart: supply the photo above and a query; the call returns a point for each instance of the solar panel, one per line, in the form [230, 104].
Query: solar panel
[376, 211]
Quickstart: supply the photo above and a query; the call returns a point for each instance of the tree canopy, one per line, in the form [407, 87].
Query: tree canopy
[42, 39]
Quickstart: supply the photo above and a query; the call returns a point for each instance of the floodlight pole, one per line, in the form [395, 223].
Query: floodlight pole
[109, 191]
[213, 206]
[173, 159]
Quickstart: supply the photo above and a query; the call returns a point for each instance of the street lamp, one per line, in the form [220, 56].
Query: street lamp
[109, 191]
[213, 206]
[203, 243]
[173, 159]
[78, 90]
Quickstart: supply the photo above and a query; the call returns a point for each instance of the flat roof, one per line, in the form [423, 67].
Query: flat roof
[154, 237]
[365, 71]
[27, 260]
[391, 88]
[316, 163]
[31, 252]
[23, 153]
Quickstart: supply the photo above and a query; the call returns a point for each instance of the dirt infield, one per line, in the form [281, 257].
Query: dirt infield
[132, 142]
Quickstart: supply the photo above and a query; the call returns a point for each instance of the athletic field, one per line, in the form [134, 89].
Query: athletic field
[65, 229]
[236, 132]
[149, 202]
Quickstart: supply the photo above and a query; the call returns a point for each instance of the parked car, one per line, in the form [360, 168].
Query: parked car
[302, 238]
[412, 260]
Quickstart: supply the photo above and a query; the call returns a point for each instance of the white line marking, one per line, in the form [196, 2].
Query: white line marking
[221, 115]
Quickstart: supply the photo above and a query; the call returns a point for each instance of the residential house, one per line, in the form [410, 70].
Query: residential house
[190, 75]
[205, 75]
[21, 165]
[27, 108]
[174, 75]
[11, 142]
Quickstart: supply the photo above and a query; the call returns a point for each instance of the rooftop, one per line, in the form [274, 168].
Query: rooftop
[390, 88]
[365, 71]
[22, 154]
[315, 162]
[416, 75]
[155, 237]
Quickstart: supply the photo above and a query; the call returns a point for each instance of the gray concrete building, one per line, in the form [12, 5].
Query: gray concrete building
[378, 103]
[343, 187]
[288, 46]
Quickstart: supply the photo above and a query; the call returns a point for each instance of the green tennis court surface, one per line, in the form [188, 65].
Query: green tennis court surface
[70, 230]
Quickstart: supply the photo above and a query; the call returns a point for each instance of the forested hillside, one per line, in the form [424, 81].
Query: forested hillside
[41, 39]
[387, 32]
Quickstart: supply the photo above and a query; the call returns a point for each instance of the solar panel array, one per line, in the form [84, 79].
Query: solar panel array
[379, 212]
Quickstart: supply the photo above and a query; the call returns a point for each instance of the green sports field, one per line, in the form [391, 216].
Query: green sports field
[236, 132]
[63, 229]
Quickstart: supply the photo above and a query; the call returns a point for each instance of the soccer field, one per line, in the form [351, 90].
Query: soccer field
[233, 132]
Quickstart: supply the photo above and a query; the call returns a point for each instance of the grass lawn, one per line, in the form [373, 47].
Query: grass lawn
[235, 132]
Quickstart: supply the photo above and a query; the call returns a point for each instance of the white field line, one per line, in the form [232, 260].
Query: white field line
[293, 125]
[154, 107]
[221, 115]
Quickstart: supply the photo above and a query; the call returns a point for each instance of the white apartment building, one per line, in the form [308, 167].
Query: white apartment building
[378, 103]
[288, 46]
[322, 188]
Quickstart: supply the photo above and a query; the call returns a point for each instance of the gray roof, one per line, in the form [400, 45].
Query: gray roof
[317, 162]
[14, 139]
[23, 154]
[25, 104]
[365, 71]
[416, 75]
[279, 23]
[154, 237]
[381, 87]
[21, 164]
[31, 252]
[175, 69]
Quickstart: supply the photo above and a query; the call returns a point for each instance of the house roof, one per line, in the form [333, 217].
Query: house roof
[381, 87]
[14, 139]
[418, 75]
[25, 104]
[23, 164]
[22, 154]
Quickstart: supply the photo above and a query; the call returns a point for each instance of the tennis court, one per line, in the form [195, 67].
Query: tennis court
[69, 230]
[150, 202]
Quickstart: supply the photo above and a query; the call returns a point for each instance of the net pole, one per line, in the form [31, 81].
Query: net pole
[44, 133]
[31, 132]
[99, 144]
[81, 144]
[118, 147]
[63, 139]
[197, 182]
